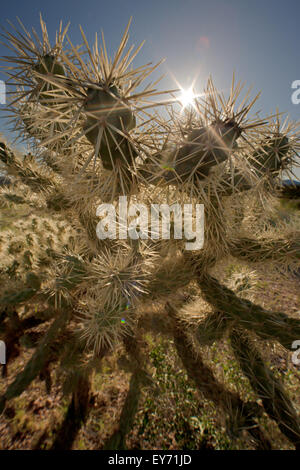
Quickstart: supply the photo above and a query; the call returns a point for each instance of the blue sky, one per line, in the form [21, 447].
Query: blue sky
[259, 40]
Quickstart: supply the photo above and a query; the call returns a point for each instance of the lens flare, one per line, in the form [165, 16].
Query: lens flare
[187, 97]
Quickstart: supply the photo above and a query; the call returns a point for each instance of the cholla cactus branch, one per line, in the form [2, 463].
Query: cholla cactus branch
[283, 250]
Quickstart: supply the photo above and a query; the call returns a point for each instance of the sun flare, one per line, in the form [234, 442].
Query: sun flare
[187, 97]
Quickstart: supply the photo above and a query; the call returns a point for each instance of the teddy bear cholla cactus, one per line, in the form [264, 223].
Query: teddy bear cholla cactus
[100, 139]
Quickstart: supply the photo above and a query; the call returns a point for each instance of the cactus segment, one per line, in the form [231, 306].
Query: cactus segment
[205, 147]
[103, 109]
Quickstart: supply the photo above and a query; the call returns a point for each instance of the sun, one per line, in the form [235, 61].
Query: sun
[187, 97]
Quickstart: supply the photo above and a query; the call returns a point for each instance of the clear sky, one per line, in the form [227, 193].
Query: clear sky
[259, 40]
